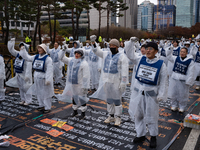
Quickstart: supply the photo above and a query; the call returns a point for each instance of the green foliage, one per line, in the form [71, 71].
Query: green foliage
[65, 31]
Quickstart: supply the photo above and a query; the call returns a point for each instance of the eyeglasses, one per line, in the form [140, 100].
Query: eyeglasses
[149, 48]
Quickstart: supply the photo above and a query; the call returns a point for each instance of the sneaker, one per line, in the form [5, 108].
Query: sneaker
[40, 108]
[82, 115]
[173, 108]
[26, 104]
[153, 142]
[22, 102]
[75, 112]
[181, 110]
[109, 120]
[139, 139]
[117, 121]
[197, 87]
[47, 111]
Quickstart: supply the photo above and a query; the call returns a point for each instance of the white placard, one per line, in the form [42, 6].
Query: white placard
[147, 72]
[18, 62]
[38, 64]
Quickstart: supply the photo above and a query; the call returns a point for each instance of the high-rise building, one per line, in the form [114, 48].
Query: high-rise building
[184, 13]
[145, 16]
[129, 19]
[196, 11]
[164, 15]
[167, 2]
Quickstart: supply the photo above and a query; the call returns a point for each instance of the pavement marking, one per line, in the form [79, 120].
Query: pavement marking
[192, 140]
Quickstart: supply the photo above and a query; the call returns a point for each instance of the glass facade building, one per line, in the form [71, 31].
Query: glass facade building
[145, 16]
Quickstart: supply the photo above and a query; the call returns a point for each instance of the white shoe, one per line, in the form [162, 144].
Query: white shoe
[22, 102]
[26, 104]
[173, 108]
[181, 110]
[109, 120]
[117, 121]
[197, 87]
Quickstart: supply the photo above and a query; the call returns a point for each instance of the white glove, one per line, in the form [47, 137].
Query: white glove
[48, 44]
[12, 39]
[93, 38]
[84, 90]
[64, 42]
[159, 99]
[47, 82]
[22, 48]
[122, 87]
[133, 39]
[60, 67]
[65, 47]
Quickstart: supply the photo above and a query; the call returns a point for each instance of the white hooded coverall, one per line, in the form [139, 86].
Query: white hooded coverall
[149, 88]
[43, 78]
[114, 78]
[23, 70]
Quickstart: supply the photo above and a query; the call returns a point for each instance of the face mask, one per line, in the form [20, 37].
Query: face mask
[87, 44]
[113, 51]
[191, 44]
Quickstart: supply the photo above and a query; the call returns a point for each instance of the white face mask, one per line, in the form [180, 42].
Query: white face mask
[87, 44]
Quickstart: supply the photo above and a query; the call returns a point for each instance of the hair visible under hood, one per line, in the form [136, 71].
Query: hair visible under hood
[81, 52]
[78, 44]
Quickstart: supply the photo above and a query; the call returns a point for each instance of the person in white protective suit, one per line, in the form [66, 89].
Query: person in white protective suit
[77, 83]
[23, 70]
[76, 45]
[195, 52]
[198, 43]
[114, 78]
[187, 45]
[94, 63]
[149, 89]
[57, 64]
[2, 77]
[181, 79]
[87, 49]
[43, 77]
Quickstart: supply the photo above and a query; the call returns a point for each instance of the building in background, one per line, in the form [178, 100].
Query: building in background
[145, 16]
[185, 13]
[196, 11]
[167, 2]
[129, 19]
[164, 15]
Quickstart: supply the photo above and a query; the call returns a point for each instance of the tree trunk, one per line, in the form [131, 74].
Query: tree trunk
[39, 32]
[88, 30]
[54, 34]
[7, 22]
[99, 32]
[37, 23]
[50, 32]
[108, 13]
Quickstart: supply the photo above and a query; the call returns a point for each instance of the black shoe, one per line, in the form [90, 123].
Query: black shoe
[82, 115]
[75, 112]
[139, 139]
[47, 111]
[40, 108]
[153, 142]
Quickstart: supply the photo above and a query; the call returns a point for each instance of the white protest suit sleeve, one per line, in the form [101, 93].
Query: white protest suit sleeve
[190, 76]
[2, 68]
[11, 49]
[130, 52]
[26, 56]
[49, 50]
[124, 73]
[162, 84]
[63, 58]
[49, 71]
[193, 51]
[169, 55]
[86, 75]
[97, 50]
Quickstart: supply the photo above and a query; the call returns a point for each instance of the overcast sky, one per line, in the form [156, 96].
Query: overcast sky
[153, 1]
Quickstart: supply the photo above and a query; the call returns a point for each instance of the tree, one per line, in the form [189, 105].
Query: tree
[99, 6]
[114, 6]
[7, 7]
